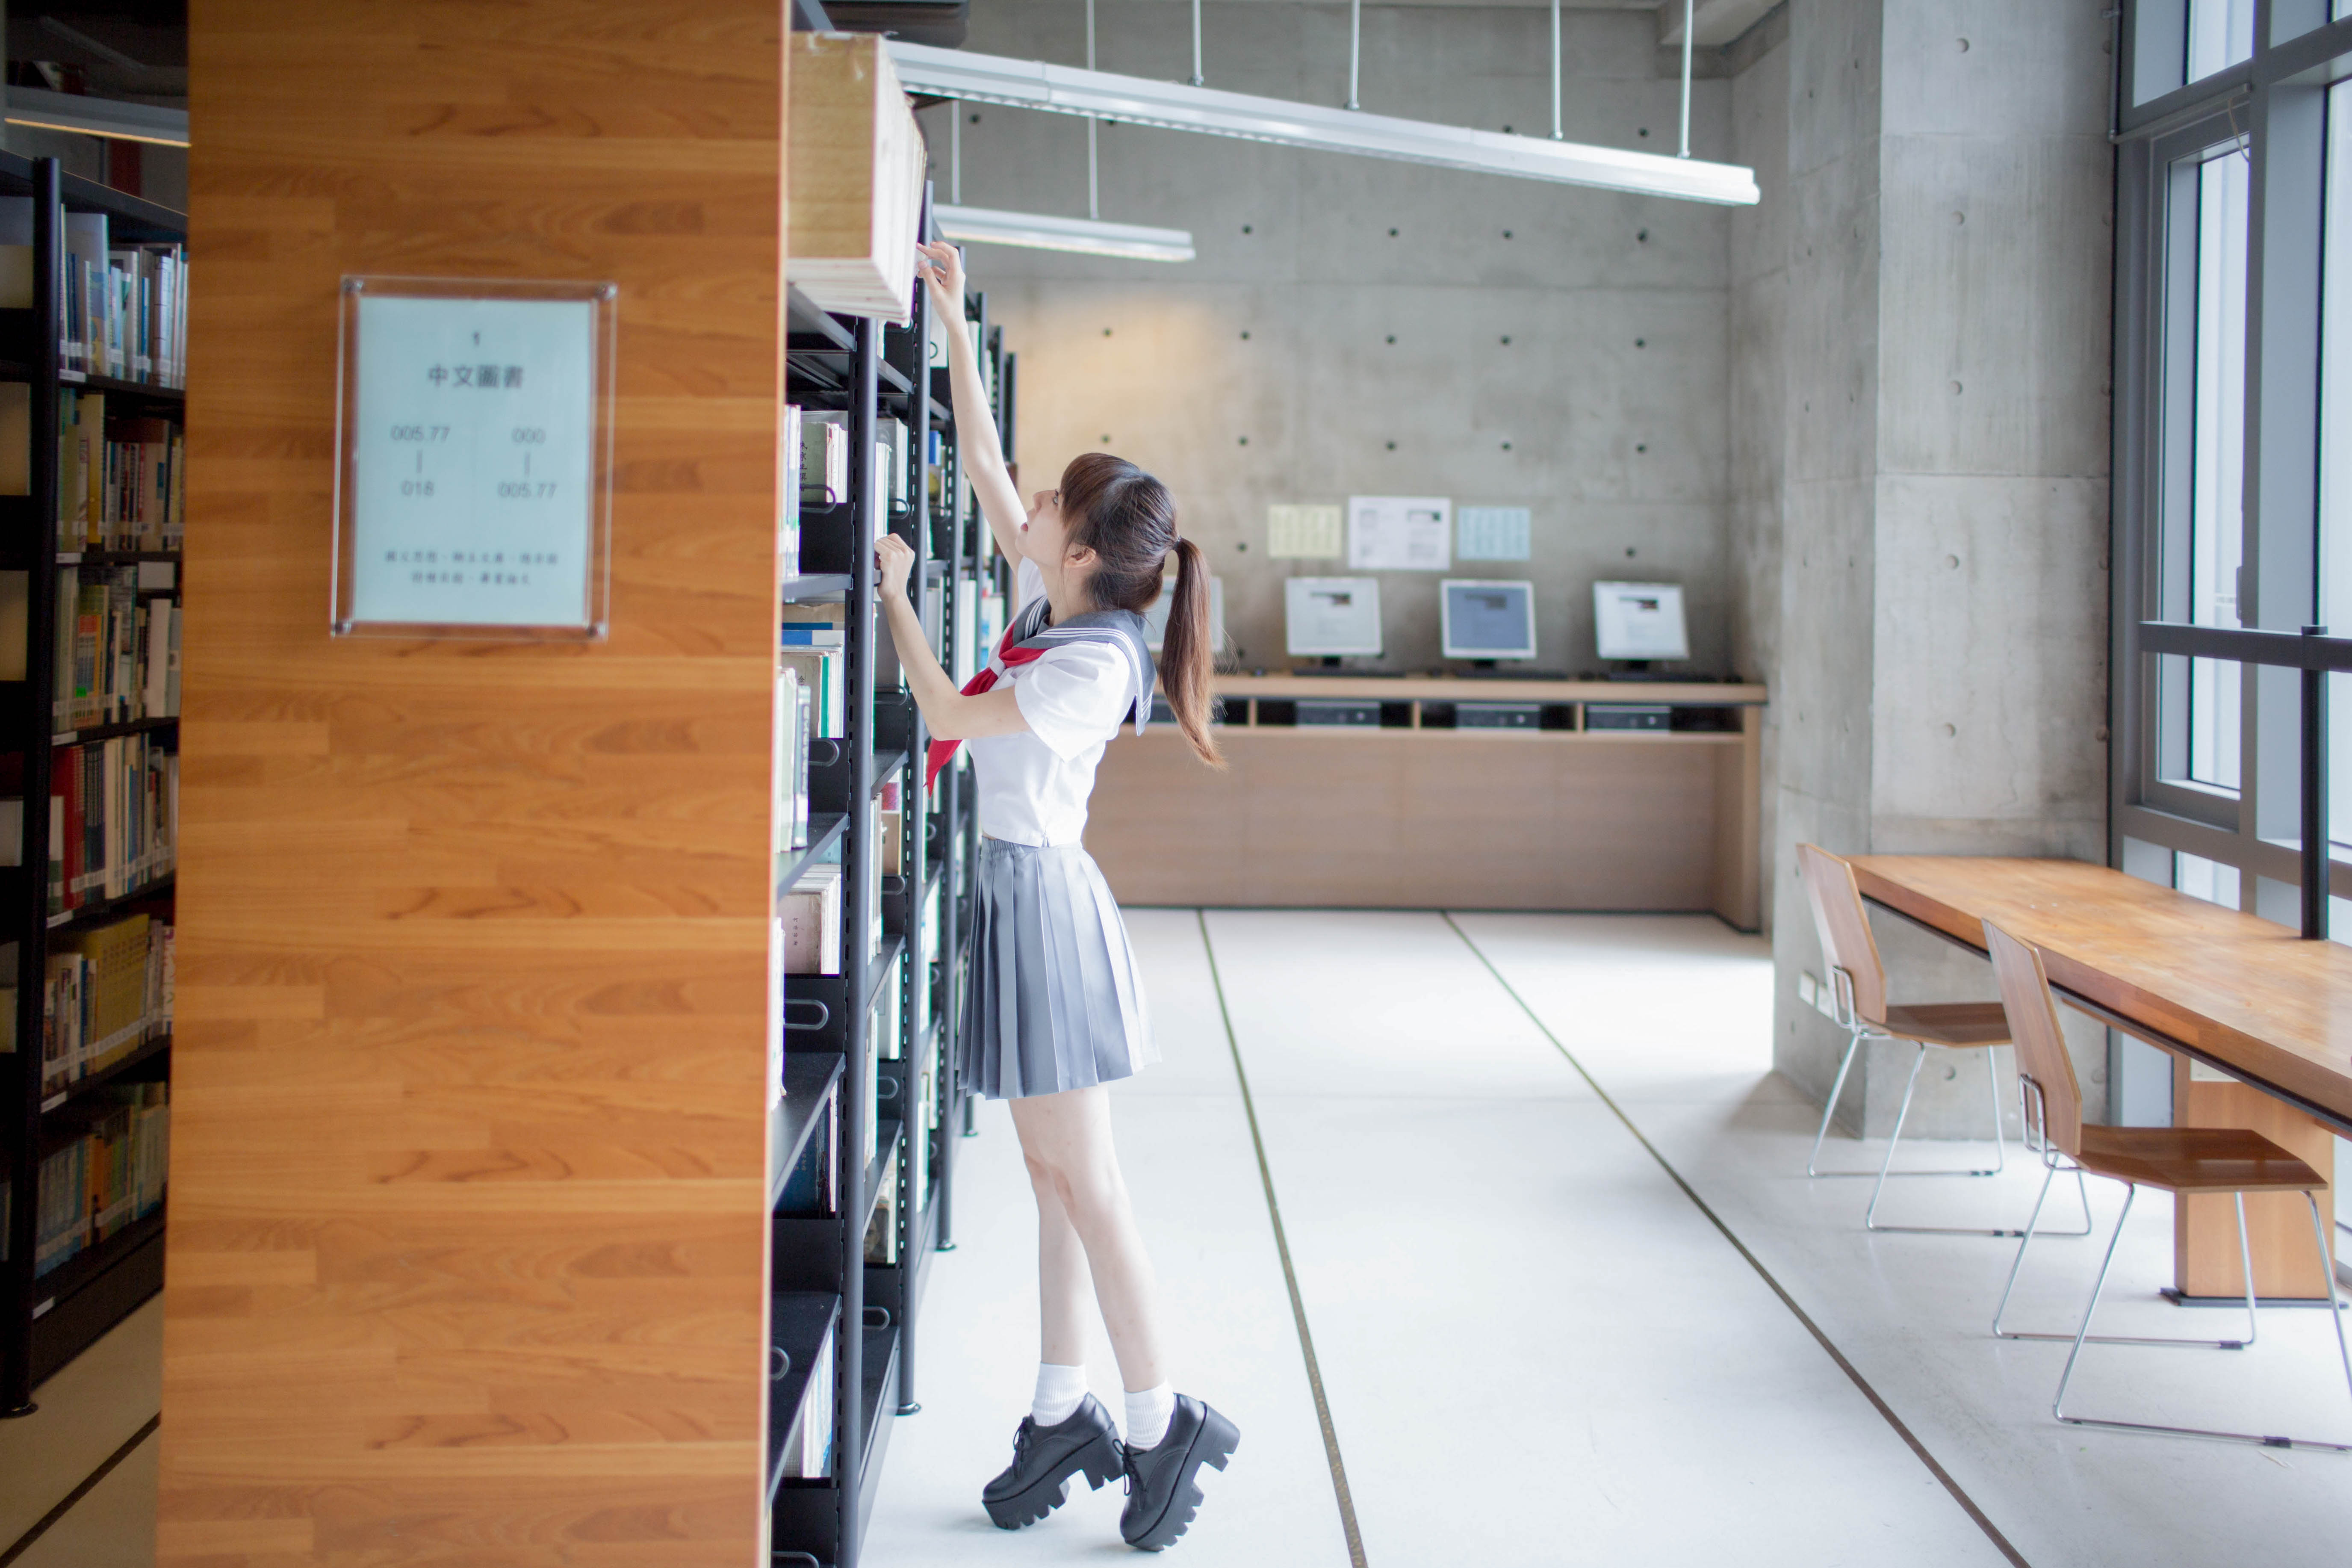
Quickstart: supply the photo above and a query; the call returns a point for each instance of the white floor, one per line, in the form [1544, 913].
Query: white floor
[1536, 1349]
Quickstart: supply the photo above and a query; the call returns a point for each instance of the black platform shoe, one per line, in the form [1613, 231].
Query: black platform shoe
[1045, 1457]
[1161, 1494]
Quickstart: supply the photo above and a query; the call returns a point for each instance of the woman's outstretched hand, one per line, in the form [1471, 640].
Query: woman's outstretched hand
[940, 267]
[894, 558]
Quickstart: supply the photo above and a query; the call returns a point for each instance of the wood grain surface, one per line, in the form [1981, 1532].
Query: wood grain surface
[858, 172]
[2247, 992]
[468, 1248]
[1430, 818]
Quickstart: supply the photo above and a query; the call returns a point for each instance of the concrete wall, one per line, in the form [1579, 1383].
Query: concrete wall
[1264, 372]
[1864, 421]
[1942, 339]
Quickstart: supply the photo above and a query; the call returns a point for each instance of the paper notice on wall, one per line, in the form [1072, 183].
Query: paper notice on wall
[1308, 532]
[1492, 533]
[1399, 533]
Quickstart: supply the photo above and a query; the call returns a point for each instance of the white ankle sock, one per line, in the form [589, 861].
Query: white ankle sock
[1060, 1391]
[1148, 1414]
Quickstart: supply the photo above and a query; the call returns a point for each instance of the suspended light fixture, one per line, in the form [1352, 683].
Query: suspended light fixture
[1043, 231]
[1088, 236]
[1180, 106]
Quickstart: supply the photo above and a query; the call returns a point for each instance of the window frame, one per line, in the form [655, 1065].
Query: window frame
[2275, 102]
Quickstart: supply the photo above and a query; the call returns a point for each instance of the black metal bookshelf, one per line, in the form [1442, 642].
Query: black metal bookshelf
[819, 1276]
[47, 1320]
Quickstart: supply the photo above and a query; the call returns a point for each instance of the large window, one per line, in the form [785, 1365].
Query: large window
[2335, 447]
[2233, 478]
[2233, 455]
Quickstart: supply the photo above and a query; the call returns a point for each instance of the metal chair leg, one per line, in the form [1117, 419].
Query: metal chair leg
[2082, 1335]
[1829, 1108]
[2319, 1235]
[1870, 1215]
[2001, 1311]
[1901, 1114]
[2246, 1263]
[2024, 1241]
[1992, 1085]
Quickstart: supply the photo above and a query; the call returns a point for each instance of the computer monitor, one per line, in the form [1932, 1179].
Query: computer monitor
[1487, 620]
[1155, 619]
[1640, 620]
[1332, 618]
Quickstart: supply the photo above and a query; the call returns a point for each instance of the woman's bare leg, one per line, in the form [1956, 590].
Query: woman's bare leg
[1066, 1139]
[1062, 1292]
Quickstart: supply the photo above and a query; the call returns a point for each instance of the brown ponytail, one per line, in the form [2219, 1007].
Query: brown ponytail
[1129, 520]
[1185, 655]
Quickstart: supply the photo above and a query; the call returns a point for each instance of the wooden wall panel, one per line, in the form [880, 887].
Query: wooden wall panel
[467, 1214]
[1420, 819]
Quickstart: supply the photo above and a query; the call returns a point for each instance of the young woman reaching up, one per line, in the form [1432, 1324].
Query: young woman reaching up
[1055, 1009]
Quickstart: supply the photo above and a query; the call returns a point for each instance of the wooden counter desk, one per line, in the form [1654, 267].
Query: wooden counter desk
[1419, 813]
[2259, 1022]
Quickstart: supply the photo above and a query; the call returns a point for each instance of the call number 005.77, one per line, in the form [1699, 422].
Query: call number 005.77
[507, 490]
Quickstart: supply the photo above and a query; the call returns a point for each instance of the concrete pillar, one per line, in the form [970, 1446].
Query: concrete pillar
[1935, 296]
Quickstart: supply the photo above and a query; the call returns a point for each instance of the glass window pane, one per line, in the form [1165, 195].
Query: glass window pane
[2336, 449]
[2217, 481]
[2207, 880]
[2221, 33]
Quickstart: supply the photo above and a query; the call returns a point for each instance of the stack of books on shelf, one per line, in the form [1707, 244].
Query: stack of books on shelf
[808, 1446]
[823, 456]
[882, 1229]
[114, 810]
[104, 1180]
[812, 645]
[125, 306]
[122, 483]
[118, 655]
[795, 717]
[810, 1189]
[810, 917]
[108, 992]
[882, 1044]
[788, 520]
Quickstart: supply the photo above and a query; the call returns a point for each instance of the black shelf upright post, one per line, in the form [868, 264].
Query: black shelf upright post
[29, 919]
[865, 527]
[914, 810]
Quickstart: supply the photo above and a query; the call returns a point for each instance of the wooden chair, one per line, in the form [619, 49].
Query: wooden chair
[2177, 1160]
[1858, 992]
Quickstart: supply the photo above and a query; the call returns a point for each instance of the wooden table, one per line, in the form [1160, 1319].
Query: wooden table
[2259, 1022]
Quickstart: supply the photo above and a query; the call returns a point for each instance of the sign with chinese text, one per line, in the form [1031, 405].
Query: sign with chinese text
[471, 490]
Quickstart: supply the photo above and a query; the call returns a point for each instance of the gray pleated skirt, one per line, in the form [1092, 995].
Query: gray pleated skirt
[1054, 1001]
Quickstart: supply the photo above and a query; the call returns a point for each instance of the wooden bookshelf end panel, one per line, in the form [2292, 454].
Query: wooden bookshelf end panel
[469, 1225]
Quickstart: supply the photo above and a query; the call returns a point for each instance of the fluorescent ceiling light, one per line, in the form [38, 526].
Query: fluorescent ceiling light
[1173, 106]
[112, 118]
[1039, 231]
